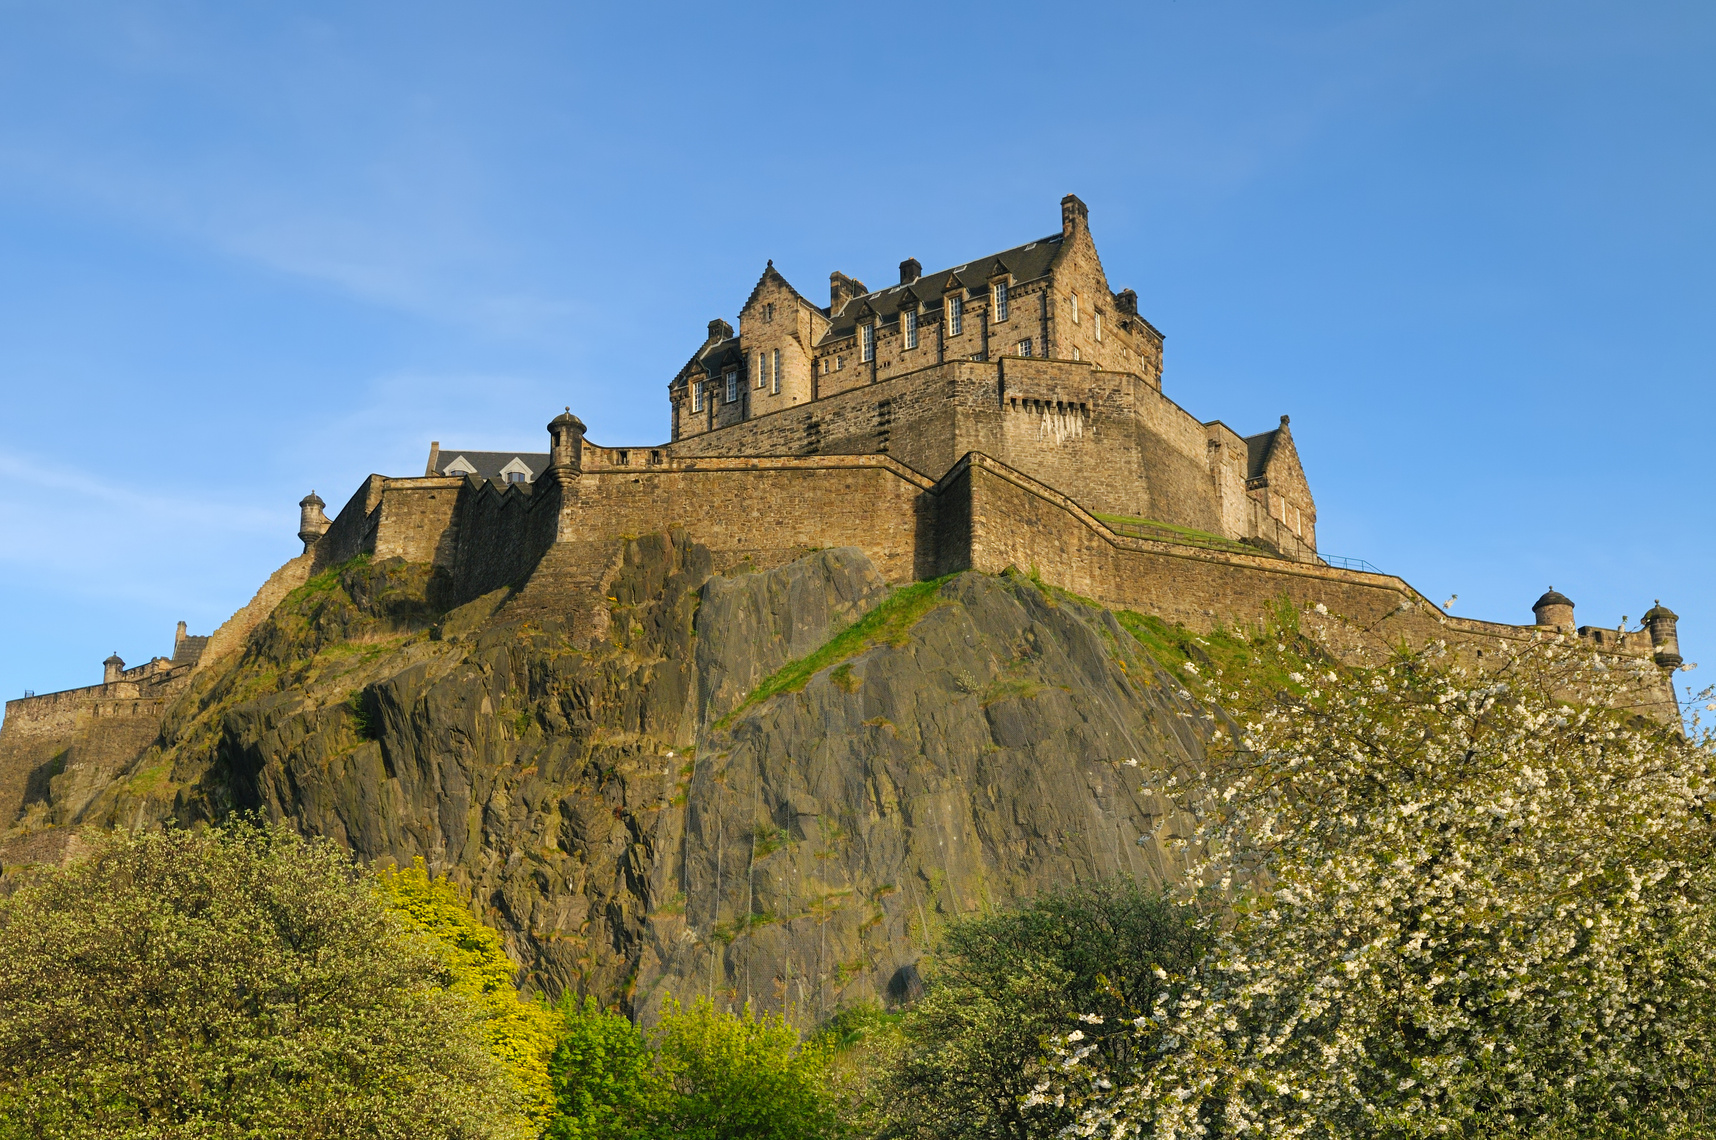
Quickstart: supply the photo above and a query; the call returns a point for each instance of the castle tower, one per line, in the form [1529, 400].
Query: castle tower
[112, 668]
[566, 442]
[1659, 619]
[312, 523]
[1554, 610]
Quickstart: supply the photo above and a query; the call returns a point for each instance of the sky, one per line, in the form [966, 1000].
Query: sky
[251, 248]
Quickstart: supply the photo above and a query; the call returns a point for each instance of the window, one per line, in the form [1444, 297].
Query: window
[775, 389]
[697, 396]
[825, 366]
[623, 458]
[1025, 347]
[1097, 317]
[517, 477]
[732, 384]
[655, 457]
[955, 315]
[761, 370]
[909, 327]
[1075, 308]
[769, 313]
[1000, 291]
[839, 363]
[867, 343]
[1075, 352]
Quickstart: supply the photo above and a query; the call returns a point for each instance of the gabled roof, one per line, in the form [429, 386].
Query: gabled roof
[489, 464]
[1258, 448]
[769, 271]
[1027, 262]
[711, 358]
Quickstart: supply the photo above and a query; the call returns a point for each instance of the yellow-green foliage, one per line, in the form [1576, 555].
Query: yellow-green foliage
[521, 1033]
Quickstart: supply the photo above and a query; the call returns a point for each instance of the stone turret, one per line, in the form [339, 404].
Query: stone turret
[1553, 609]
[112, 668]
[312, 523]
[566, 442]
[1664, 641]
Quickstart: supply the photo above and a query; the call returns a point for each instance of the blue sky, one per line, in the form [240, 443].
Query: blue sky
[248, 249]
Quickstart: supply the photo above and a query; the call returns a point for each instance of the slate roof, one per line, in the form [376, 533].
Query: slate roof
[711, 359]
[190, 650]
[1027, 262]
[1257, 450]
[489, 463]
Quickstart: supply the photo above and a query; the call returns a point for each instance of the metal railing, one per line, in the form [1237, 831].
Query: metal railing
[1349, 563]
[1183, 538]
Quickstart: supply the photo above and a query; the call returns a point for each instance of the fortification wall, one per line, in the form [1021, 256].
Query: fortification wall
[233, 632]
[415, 520]
[1016, 522]
[504, 534]
[1110, 437]
[81, 736]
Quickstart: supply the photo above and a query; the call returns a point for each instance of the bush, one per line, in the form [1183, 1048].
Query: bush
[970, 1052]
[225, 983]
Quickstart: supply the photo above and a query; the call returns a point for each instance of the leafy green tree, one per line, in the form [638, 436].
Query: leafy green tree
[604, 1078]
[521, 1033]
[971, 1050]
[740, 1077]
[236, 982]
[700, 1074]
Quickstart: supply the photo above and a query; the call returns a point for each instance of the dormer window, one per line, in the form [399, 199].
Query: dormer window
[867, 343]
[459, 466]
[999, 290]
[517, 477]
[516, 471]
[697, 396]
[909, 327]
[955, 315]
[732, 379]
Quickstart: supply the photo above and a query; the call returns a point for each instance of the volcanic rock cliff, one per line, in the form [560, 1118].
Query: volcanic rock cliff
[760, 786]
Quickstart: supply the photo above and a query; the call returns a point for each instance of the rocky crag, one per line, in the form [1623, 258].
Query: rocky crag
[767, 786]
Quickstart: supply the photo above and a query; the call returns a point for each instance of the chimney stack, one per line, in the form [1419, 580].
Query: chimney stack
[1074, 215]
[1127, 301]
[719, 330]
[910, 270]
[842, 289]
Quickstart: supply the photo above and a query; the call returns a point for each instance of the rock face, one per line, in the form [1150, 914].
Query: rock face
[731, 789]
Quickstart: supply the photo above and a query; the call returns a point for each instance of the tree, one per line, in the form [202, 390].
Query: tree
[230, 982]
[1459, 903]
[970, 1051]
[605, 1083]
[521, 1033]
[700, 1074]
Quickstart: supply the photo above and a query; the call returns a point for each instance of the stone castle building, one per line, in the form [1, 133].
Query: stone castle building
[1005, 412]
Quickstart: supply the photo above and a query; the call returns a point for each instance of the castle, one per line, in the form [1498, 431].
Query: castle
[1006, 412]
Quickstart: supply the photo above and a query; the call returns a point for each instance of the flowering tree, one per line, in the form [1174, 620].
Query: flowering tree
[1447, 902]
